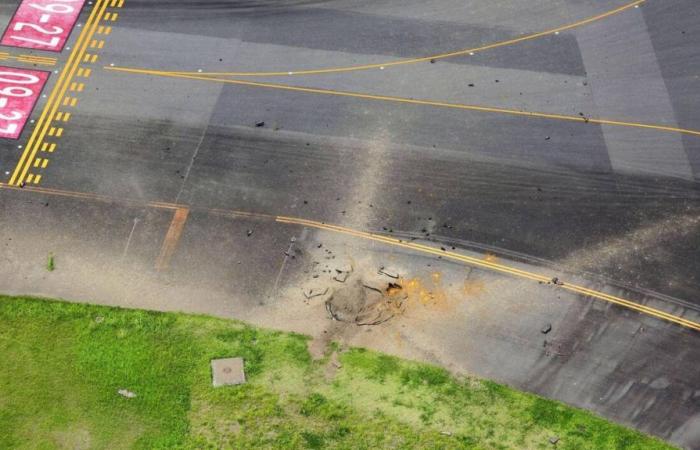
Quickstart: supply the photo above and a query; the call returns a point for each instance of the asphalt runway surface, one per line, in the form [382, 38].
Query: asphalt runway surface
[555, 137]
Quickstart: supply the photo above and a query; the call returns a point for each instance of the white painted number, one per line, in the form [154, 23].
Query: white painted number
[28, 78]
[15, 115]
[58, 8]
[11, 129]
[11, 91]
[51, 43]
[19, 25]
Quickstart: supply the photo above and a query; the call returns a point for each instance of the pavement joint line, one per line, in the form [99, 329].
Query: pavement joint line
[58, 92]
[433, 103]
[484, 263]
[172, 237]
[470, 51]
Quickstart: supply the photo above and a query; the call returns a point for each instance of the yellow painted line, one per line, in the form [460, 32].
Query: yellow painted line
[413, 101]
[59, 115]
[73, 86]
[44, 163]
[37, 162]
[59, 132]
[86, 58]
[114, 17]
[35, 61]
[120, 4]
[37, 179]
[467, 51]
[52, 131]
[66, 116]
[659, 314]
[108, 15]
[87, 72]
[73, 101]
[30, 178]
[93, 44]
[100, 44]
[93, 59]
[80, 88]
[172, 237]
[52, 147]
[482, 263]
[57, 93]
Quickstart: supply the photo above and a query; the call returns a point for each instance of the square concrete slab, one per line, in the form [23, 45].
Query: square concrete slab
[227, 371]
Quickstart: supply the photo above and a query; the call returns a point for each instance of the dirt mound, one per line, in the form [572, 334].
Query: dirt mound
[365, 304]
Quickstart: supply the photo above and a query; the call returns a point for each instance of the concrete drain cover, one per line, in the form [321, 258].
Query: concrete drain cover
[227, 371]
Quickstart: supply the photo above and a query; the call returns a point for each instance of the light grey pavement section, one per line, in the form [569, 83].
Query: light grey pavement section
[529, 16]
[627, 85]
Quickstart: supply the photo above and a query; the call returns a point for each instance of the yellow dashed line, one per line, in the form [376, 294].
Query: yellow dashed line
[59, 132]
[120, 4]
[100, 44]
[93, 59]
[59, 116]
[37, 162]
[73, 101]
[66, 116]
[30, 178]
[44, 163]
[108, 16]
[114, 17]
[81, 86]
[52, 131]
[37, 179]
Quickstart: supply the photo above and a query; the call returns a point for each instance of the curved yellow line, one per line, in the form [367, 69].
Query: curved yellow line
[466, 51]
[489, 265]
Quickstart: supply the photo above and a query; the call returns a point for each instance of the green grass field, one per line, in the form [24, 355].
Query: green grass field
[62, 364]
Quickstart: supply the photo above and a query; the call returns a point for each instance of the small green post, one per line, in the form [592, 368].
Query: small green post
[50, 265]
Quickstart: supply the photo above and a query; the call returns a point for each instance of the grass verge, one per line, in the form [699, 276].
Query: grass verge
[63, 363]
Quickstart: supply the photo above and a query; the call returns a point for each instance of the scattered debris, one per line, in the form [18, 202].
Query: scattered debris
[260, 124]
[311, 293]
[341, 277]
[388, 273]
[99, 319]
[556, 281]
[432, 61]
[126, 393]
[249, 233]
[446, 433]
[553, 440]
[546, 329]
[227, 371]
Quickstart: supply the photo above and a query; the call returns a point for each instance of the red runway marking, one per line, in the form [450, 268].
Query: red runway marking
[42, 24]
[19, 91]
